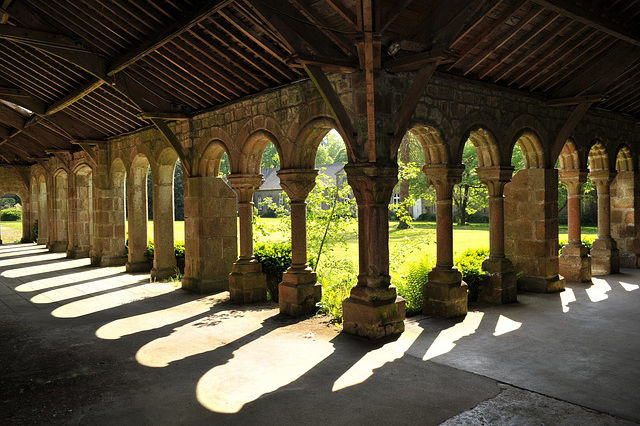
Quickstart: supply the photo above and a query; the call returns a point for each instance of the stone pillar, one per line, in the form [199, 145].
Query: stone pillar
[604, 253]
[445, 294]
[138, 209]
[247, 282]
[27, 213]
[625, 217]
[164, 255]
[373, 308]
[531, 229]
[108, 225]
[210, 223]
[299, 290]
[575, 262]
[501, 285]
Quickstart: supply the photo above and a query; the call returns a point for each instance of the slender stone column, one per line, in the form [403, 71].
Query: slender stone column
[164, 255]
[445, 295]
[373, 308]
[138, 209]
[247, 282]
[604, 253]
[575, 262]
[299, 290]
[501, 286]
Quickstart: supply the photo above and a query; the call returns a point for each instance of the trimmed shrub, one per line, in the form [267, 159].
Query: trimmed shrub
[470, 264]
[275, 259]
[11, 215]
[412, 279]
[427, 217]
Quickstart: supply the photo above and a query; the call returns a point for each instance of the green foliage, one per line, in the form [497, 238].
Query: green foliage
[517, 158]
[7, 202]
[11, 214]
[470, 195]
[427, 217]
[275, 259]
[34, 230]
[336, 276]
[470, 264]
[270, 158]
[413, 276]
[331, 149]
[150, 251]
[225, 167]
[587, 240]
[179, 249]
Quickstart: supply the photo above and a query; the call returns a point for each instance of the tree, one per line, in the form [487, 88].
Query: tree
[270, 158]
[470, 195]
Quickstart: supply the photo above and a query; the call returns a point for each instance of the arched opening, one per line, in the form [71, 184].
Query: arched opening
[82, 213]
[119, 182]
[60, 204]
[11, 207]
[43, 211]
[215, 161]
[138, 214]
[178, 214]
[33, 225]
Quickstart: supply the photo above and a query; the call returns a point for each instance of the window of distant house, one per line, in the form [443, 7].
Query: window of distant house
[396, 198]
[260, 203]
[281, 199]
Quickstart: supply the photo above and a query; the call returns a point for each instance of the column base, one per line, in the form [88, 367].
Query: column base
[540, 284]
[373, 313]
[107, 261]
[299, 292]
[58, 247]
[575, 263]
[163, 274]
[144, 266]
[445, 294]
[629, 260]
[77, 253]
[205, 286]
[605, 258]
[500, 287]
[247, 282]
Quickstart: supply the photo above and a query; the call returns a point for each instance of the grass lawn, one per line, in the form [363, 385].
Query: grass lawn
[11, 231]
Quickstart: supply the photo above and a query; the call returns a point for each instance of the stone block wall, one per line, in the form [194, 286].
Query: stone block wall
[625, 205]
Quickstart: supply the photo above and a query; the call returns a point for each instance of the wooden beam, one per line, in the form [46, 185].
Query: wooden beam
[174, 30]
[576, 100]
[171, 137]
[29, 36]
[393, 14]
[163, 115]
[336, 108]
[569, 126]
[343, 11]
[419, 60]
[74, 96]
[89, 142]
[484, 11]
[585, 16]
[327, 64]
[410, 103]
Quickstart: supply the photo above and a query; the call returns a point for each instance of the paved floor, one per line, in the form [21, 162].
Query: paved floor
[81, 345]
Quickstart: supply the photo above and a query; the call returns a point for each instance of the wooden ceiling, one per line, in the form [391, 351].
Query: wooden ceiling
[73, 71]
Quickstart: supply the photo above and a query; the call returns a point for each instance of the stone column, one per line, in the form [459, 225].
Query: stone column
[26, 219]
[299, 290]
[164, 255]
[445, 295]
[604, 253]
[211, 241]
[625, 217]
[501, 286]
[247, 282]
[138, 209]
[373, 308]
[575, 262]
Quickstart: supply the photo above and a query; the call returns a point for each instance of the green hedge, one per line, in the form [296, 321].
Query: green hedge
[11, 215]
[275, 259]
[470, 265]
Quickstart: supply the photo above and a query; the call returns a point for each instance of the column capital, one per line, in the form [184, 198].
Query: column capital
[602, 179]
[495, 177]
[297, 183]
[371, 183]
[245, 185]
[444, 177]
[573, 179]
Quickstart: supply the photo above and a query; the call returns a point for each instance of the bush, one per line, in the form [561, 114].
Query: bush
[275, 259]
[336, 277]
[470, 264]
[34, 231]
[179, 249]
[586, 240]
[477, 218]
[410, 285]
[427, 217]
[11, 214]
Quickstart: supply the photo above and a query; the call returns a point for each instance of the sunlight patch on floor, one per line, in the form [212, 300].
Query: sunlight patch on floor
[445, 341]
[598, 290]
[566, 297]
[84, 289]
[43, 269]
[506, 325]
[200, 336]
[365, 366]
[111, 300]
[156, 319]
[26, 249]
[61, 280]
[31, 258]
[248, 375]
[629, 287]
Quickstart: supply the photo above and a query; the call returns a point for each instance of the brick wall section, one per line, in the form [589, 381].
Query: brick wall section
[625, 208]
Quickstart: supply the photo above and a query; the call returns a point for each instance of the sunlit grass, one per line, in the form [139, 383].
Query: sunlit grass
[11, 231]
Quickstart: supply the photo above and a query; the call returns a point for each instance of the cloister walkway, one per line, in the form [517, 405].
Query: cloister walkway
[82, 345]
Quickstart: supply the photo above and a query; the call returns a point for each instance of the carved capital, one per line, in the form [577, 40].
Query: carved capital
[573, 179]
[372, 184]
[602, 179]
[297, 183]
[245, 185]
[444, 177]
[495, 177]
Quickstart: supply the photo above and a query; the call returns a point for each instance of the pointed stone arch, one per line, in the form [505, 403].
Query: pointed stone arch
[81, 211]
[598, 158]
[60, 238]
[486, 146]
[211, 156]
[308, 139]
[433, 145]
[532, 149]
[569, 157]
[624, 159]
[252, 149]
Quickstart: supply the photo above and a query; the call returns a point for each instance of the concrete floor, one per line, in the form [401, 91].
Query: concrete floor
[80, 345]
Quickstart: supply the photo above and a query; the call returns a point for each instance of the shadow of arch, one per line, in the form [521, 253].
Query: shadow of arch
[624, 159]
[433, 146]
[598, 157]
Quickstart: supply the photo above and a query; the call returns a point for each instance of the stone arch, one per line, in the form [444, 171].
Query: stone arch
[532, 150]
[138, 213]
[598, 156]
[211, 156]
[624, 159]
[308, 139]
[486, 146]
[81, 214]
[569, 157]
[253, 148]
[433, 146]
